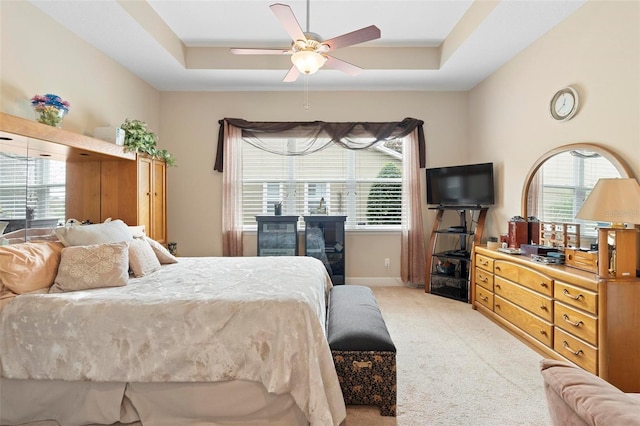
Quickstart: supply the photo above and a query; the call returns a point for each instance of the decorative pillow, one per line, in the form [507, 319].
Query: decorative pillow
[29, 266]
[137, 231]
[92, 266]
[142, 259]
[82, 235]
[161, 252]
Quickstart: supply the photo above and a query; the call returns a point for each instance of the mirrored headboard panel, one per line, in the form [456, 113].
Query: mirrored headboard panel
[47, 176]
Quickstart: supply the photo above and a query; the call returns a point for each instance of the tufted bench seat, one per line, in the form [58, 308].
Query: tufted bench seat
[363, 352]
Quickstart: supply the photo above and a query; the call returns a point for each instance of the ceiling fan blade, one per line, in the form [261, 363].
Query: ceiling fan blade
[292, 75]
[288, 21]
[239, 51]
[339, 64]
[355, 37]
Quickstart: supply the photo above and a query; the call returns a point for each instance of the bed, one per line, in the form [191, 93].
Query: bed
[201, 341]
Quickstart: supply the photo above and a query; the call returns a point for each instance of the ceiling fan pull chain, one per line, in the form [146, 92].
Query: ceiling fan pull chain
[306, 92]
[308, 26]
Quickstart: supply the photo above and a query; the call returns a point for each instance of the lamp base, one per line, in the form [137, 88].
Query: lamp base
[621, 260]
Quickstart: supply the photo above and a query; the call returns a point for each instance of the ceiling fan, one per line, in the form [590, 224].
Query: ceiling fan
[308, 51]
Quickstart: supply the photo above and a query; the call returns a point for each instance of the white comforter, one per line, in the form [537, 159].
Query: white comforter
[200, 320]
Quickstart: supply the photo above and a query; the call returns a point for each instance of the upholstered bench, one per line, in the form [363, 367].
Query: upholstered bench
[363, 352]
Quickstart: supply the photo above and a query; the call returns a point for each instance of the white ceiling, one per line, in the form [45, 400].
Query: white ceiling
[182, 45]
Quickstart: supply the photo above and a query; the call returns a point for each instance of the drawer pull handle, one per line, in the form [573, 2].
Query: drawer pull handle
[484, 279]
[498, 286]
[498, 268]
[484, 299]
[362, 364]
[543, 284]
[484, 263]
[567, 347]
[575, 324]
[543, 307]
[566, 293]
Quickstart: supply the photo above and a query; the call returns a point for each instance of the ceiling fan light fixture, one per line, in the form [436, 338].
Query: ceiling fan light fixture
[308, 61]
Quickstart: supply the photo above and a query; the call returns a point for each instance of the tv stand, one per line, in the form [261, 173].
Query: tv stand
[448, 255]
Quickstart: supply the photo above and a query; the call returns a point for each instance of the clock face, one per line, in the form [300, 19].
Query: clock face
[564, 104]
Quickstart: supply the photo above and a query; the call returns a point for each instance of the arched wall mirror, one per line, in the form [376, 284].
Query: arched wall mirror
[560, 181]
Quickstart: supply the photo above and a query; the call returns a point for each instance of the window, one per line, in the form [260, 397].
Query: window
[31, 187]
[365, 185]
[566, 181]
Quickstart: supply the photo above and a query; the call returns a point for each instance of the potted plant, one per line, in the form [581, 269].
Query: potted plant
[138, 138]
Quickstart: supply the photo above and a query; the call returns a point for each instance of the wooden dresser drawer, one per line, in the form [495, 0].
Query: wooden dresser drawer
[484, 278]
[532, 301]
[576, 351]
[536, 327]
[576, 296]
[484, 262]
[524, 276]
[484, 297]
[577, 323]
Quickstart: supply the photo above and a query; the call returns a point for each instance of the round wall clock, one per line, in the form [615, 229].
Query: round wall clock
[564, 104]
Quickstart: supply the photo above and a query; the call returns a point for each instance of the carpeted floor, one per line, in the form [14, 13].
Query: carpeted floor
[455, 367]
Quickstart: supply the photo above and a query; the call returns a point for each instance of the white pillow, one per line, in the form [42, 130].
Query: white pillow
[163, 255]
[137, 231]
[142, 259]
[101, 233]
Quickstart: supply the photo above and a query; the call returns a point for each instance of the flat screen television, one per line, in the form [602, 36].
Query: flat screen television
[466, 185]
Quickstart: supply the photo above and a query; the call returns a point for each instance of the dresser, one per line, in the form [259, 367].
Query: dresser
[563, 312]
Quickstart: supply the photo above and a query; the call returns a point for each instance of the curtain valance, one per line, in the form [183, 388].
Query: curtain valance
[319, 134]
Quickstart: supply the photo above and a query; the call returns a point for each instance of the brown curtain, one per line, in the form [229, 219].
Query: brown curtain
[412, 251]
[320, 134]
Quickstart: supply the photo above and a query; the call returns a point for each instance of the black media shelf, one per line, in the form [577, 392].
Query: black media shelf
[450, 250]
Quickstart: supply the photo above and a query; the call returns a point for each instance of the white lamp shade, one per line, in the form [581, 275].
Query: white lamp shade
[307, 61]
[613, 200]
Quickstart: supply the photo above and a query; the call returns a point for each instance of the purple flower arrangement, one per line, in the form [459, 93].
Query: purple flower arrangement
[50, 108]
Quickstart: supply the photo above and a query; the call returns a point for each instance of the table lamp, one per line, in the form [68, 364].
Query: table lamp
[616, 201]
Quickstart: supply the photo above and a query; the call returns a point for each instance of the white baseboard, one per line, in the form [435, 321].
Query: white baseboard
[374, 281]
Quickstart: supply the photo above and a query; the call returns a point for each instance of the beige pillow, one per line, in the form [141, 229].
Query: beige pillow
[142, 259]
[161, 252]
[29, 266]
[100, 233]
[92, 266]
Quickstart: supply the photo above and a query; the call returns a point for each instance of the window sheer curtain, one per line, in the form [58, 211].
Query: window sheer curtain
[412, 251]
[232, 192]
[229, 163]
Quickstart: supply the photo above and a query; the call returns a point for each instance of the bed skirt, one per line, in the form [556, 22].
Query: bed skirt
[154, 404]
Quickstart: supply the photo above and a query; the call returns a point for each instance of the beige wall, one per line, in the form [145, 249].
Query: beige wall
[190, 130]
[596, 50]
[38, 56]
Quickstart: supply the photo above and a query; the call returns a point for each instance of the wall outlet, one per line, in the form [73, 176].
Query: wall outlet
[387, 262]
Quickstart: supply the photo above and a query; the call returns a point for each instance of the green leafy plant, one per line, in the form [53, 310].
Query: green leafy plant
[138, 138]
[384, 205]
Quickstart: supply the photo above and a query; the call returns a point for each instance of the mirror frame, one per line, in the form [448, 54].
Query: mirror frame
[615, 159]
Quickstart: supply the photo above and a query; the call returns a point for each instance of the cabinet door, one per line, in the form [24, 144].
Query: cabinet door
[145, 186]
[159, 205]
